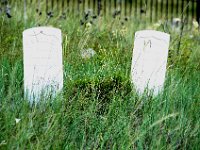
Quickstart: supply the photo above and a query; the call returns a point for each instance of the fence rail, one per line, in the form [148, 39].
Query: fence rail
[151, 10]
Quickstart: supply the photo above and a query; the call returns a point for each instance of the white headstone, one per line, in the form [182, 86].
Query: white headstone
[43, 69]
[149, 60]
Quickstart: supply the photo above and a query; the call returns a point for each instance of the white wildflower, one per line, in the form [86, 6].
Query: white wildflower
[191, 36]
[17, 120]
[88, 25]
[3, 143]
[195, 24]
[157, 24]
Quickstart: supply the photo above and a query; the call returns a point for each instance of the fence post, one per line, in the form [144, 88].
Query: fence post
[83, 6]
[135, 8]
[141, 8]
[104, 7]
[68, 6]
[172, 10]
[131, 4]
[125, 8]
[94, 6]
[177, 8]
[198, 11]
[166, 11]
[78, 7]
[151, 11]
[63, 5]
[25, 14]
[99, 7]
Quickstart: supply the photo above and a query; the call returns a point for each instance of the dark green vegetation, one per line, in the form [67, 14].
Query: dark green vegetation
[100, 109]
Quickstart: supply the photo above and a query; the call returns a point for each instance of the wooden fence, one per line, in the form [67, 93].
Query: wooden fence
[153, 10]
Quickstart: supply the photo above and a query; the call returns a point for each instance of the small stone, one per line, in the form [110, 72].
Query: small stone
[176, 23]
[87, 53]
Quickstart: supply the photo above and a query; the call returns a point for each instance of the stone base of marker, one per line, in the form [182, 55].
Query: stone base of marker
[149, 60]
[43, 69]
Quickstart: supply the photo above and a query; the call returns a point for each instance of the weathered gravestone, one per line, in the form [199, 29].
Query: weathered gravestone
[43, 69]
[149, 60]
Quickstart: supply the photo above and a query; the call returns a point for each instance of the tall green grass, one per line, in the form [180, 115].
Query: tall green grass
[99, 108]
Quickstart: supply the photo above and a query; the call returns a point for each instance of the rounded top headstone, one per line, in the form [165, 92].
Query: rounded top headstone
[48, 31]
[153, 34]
[43, 28]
